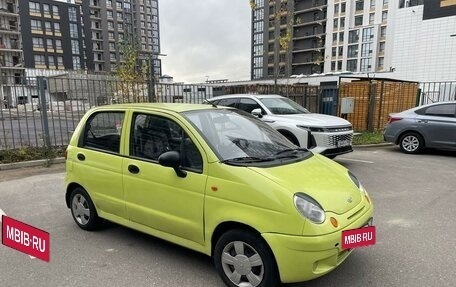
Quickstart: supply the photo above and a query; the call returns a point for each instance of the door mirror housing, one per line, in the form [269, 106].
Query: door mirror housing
[257, 113]
[172, 159]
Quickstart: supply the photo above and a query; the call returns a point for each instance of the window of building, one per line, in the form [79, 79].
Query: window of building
[372, 3]
[340, 51]
[339, 65]
[385, 2]
[40, 60]
[380, 63]
[51, 61]
[333, 51]
[381, 47]
[352, 51]
[48, 26]
[119, 16]
[109, 3]
[368, 34]
[341, 36]
[366, 50]
[109, 14]
[112, 56]
[75, 47]
[119, 5]
[366, 65]
[34, 7]
[336, 8]
[384, 16]
[56, 27]
[371, 18]
[49, 44]
[112, 46]
[333, 66]
[335, 23]
[59, 61]
[110, 25]
[55, 11]
[72, 14]
[74, 30]
[352, 65]
[353, 36]
[46, 9]
[383, 31]
[36, 25]
[343, 7]
[76, 63]
[58, 44]
[342, 22]
[111, 35]
[358, 20]
[120, 26]
[258, 26]
[38, 42]
[359, 6]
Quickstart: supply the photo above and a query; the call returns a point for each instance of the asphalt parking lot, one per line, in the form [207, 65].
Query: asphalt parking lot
[415, 203]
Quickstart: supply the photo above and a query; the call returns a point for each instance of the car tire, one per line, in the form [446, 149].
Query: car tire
[83, 210]
[411, 143]
[242, 258]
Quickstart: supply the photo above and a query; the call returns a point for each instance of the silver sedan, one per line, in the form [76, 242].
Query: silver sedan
[428, 126]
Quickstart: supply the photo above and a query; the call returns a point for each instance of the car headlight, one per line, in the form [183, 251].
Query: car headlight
[309, 208]
[358, 184]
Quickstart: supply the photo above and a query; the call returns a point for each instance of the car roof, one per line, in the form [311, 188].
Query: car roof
[172, 107]
[252, 96]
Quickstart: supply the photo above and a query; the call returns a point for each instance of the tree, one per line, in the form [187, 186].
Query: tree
[132, 73]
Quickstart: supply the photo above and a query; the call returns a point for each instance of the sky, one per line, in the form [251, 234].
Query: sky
[205, 39]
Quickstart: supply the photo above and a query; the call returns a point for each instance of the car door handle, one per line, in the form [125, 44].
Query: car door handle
[133, 169]
[423, 121]
[81, 157]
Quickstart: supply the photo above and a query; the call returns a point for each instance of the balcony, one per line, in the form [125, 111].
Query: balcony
[311, 9]
[10, 10]
[307, 35]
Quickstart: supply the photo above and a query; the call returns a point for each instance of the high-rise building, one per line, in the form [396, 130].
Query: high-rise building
[359, 36]
[11, 66]
[51, 35]
[108, 23]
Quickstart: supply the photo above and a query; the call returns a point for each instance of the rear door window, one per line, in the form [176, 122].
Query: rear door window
[231, 102]
[248, 105]
[445, 110]
[103, 131]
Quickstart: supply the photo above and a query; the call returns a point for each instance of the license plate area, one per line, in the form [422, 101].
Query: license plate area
[360, 237]
[343, 143]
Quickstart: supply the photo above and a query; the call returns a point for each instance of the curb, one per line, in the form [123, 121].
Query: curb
[32, 163]
[373, 145]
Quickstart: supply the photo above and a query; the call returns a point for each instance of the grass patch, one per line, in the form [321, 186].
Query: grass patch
[30, 153]
[368, 138]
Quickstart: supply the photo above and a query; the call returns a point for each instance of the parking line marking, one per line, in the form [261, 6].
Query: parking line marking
[357, 160]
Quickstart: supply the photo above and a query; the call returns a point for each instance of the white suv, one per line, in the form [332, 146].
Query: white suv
[328, 135]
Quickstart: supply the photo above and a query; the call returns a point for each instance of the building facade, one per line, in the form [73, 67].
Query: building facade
[408, 39]
[52, 34]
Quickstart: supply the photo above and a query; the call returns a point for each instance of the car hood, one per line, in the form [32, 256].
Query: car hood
[313, 120]
[324, 180]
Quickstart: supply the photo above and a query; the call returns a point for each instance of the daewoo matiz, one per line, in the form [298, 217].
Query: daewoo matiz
[221, 182]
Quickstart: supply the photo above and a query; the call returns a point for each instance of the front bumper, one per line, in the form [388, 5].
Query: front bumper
[337, 151]
[302, 258]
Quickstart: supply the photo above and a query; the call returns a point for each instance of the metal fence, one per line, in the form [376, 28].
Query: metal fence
[43, 112]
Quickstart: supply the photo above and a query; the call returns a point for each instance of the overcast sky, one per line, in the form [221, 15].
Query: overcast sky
[205, 38]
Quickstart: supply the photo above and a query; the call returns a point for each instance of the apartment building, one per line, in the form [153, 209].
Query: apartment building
[108, 23]
[52, 35]
[11, 66]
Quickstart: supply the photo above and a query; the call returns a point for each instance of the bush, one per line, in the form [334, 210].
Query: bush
[30, 153]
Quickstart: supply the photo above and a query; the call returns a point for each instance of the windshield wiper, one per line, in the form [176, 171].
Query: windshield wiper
[247, 159]
[290, 151]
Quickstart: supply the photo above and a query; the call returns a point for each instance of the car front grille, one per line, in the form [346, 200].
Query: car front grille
[334, 139]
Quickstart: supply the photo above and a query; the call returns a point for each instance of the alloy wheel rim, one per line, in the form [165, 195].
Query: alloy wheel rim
[242, 264]
[81, 210]
[410, 143]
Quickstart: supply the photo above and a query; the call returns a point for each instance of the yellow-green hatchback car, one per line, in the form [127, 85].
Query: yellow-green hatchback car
[221, 182]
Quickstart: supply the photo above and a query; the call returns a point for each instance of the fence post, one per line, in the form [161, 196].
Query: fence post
[43, 108]
[371, 107]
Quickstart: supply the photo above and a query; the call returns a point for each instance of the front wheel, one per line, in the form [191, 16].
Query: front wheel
[244, 259]
[411, 143]
[83, 210]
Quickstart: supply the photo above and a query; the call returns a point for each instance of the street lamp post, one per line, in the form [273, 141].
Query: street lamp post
[151, 77]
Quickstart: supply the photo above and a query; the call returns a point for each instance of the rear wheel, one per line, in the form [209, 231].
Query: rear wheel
[83, 210]
[243, 259]
[411, 143]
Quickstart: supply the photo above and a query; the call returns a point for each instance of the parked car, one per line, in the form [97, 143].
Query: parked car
[324, 134]
[428, 126]
[217, 181]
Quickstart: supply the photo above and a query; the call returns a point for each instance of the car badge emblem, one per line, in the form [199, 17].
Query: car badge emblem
[349, 200]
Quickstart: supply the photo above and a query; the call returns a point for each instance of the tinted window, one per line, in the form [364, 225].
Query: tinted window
[153, 135]
[248, 105]
[447, 110]
[228, 102]
[103, 131]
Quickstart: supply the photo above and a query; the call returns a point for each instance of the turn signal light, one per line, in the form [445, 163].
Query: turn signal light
[334, 222]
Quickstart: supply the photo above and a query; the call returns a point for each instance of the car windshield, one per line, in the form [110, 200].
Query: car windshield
[240, 139]
[283, 106]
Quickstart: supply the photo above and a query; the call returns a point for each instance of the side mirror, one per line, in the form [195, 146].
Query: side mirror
[172, 159]
[257, 113]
